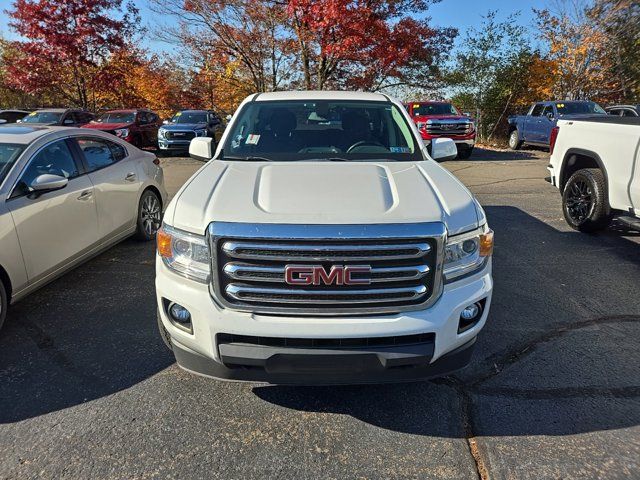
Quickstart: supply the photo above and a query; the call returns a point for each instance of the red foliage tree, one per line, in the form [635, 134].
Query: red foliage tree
[66, 43]
[367, 44]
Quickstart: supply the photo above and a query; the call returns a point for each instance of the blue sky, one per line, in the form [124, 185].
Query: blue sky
[461, 14]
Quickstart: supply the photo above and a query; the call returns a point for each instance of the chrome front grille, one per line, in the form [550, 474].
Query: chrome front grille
[448, 128]
[249, 264]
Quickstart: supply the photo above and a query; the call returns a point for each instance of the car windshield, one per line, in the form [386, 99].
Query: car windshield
[42, 117]
[189, 117]
[568, 108]
[434, 109]
[116, 117]
[321, 130]
[9, 153]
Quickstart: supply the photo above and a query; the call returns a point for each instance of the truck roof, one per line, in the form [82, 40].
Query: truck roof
[320, 95]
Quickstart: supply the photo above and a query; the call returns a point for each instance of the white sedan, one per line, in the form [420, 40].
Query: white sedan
[67, 194]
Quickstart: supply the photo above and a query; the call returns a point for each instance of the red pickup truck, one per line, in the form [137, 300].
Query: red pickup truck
[442, 119]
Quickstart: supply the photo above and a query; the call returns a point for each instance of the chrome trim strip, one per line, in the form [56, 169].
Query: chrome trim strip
[233, 270]
[315, 296]
[317, 252]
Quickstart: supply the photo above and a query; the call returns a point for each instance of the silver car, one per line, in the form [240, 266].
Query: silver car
[67, 194]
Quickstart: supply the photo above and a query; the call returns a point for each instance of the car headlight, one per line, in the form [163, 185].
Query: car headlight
[122, 132]
[161, 133]
[201, 133]
[184, 253]
[467, 253]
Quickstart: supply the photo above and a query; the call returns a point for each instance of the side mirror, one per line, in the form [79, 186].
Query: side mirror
[549, 116]
[228, 118]
[48, 182]
[201, 148]
[165, 122]
[443, 149]
[68, 121]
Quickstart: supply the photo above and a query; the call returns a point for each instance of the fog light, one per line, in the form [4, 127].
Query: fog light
[179, 313]
[470, 312]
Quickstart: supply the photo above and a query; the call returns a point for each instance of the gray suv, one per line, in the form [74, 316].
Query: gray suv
[177, 133]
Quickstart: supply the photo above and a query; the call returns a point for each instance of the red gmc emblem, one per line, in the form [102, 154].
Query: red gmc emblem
[317, 275]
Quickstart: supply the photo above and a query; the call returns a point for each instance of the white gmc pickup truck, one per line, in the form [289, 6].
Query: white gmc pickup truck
[595, 163]
[322, 245]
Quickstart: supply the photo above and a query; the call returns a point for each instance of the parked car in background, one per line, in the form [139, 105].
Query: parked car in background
[136, 126]
[65, 196]
[624, 110]
[595, 165]
[176, 134]
[536, 126]
[444, 120]
[323, 245]
[12, 116]
[66, 117]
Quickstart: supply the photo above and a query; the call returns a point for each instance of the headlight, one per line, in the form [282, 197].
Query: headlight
[201, 133]
[161, 133]
[184, 253]
[122, 132]
[467, 253]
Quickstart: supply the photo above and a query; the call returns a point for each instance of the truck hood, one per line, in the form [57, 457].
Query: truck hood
[107, 126]
[323, 193]
[424, 118]
[184, 126]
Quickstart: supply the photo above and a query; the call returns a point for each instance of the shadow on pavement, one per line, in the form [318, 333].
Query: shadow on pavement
[558, 355]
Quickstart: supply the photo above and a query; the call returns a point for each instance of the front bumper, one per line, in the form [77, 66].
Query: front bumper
[460, 142]
[174, 144]
[201, 352]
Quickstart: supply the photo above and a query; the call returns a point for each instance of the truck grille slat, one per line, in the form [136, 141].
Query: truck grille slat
[402, 267]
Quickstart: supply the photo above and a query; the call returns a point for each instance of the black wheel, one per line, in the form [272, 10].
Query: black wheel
[514, 140]
[4, 303]
[585, 203]
[166, 338]
[149, 216]
[465, 153]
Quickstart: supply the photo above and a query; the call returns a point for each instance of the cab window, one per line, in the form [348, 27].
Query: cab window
[54, 159]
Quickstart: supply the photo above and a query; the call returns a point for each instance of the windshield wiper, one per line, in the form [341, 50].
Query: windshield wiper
[248, 159]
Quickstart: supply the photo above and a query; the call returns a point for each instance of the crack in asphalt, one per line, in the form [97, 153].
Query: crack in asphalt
[495, 364]
[502, 181]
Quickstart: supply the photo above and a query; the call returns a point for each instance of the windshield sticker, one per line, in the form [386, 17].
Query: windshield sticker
[416, 106]
[400, 149]
[178, 114]
[253, 139]
[33, 114]
[559, 105]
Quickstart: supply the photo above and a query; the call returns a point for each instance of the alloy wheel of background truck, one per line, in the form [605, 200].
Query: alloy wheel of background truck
[149, 216]
[514, 141]
[584, 201]
[3, 304]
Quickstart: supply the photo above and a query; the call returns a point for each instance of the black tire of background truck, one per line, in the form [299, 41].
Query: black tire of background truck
[514, 140]
[149, 209]
[4, 304]
[465, 153]
[166, 338]
[594, 200]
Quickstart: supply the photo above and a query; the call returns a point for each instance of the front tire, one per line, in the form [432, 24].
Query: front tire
[4, 304]
[585, 203]
[465, 153]
[514, 140]
[149, 216]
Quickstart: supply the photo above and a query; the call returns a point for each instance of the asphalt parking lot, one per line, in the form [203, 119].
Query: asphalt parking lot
[88, 390]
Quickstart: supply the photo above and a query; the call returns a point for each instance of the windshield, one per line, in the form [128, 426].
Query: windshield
[321, 130]
[42, 117]
[568, 108]
[116, 117]
[189, 117]
[434, 109]
[9, 153]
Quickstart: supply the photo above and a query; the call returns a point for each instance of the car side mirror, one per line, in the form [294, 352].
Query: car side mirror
[48, 182]
[228, 118]
[443, 149]
[549, 116]
[165, 122]
[201, 148]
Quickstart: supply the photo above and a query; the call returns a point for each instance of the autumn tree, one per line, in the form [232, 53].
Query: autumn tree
[366, 44]
[66, 43]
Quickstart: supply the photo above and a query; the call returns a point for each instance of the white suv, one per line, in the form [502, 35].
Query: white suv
[323, 245]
